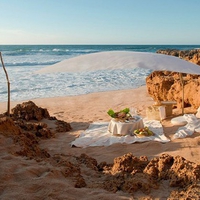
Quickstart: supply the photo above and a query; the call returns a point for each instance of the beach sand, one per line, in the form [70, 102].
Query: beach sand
[24, 178]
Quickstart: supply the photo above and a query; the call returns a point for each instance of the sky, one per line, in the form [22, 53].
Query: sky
[99, 22]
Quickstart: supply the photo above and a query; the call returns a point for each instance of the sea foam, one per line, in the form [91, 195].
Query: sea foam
[22, 61]
[26, 84]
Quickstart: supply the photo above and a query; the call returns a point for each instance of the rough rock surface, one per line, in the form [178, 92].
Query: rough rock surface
[130, 174]
[8, 127]
[27, 142]
[166, 86]
[29, 111]
[127, 173]
[189, 55]
[25, 128]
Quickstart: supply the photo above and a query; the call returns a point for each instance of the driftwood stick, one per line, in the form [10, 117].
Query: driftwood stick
[182, 83]
[8, 83]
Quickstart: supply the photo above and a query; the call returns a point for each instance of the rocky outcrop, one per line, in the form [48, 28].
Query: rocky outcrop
[127, 173]
[29, 111]
[27, 142]
[130, 174]
[189, 55]
[8, 127]
[167, 86]
[26, 129]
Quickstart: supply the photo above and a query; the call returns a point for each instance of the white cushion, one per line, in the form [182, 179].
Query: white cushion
[179, 121]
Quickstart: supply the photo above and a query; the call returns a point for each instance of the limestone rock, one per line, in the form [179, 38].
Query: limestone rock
[130, 174]
[8, 127]
[189, 55]
[29, 111]
[167, 86]
[26, 129]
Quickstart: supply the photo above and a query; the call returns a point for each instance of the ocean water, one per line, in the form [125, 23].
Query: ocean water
[22, 61]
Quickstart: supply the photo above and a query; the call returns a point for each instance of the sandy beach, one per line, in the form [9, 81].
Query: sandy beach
[96, 92]
[24, 178]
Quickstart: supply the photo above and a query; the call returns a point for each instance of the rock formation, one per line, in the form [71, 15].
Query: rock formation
[167, 86]
[130, 174]
[26, 129]
[126, 173]
[189, 55]
[29, 111]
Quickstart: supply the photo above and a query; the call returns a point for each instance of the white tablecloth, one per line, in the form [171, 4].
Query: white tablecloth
[125, 128]
[97, 134]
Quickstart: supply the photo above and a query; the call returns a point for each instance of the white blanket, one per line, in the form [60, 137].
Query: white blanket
[98, 135]
[193, 124]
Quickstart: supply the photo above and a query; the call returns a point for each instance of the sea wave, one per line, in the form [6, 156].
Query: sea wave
[32, 63]
[24, 60]
[25, 84]
[19, 52]
[55, 51]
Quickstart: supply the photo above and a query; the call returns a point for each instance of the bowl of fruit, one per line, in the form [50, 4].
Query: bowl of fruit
[143, 132]
[123, 115]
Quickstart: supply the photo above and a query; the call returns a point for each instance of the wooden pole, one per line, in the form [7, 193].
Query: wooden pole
[182, 82]
[8, 83]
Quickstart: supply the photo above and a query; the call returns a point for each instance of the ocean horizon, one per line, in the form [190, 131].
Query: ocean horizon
[22, 61]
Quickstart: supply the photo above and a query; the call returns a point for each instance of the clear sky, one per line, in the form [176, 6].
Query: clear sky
[100, 22]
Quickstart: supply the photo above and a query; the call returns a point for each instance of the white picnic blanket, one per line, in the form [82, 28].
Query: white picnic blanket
[97, 134]
[193, 125]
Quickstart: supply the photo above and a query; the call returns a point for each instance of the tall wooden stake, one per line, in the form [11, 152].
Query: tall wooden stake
[8, 83]
[182, 82]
